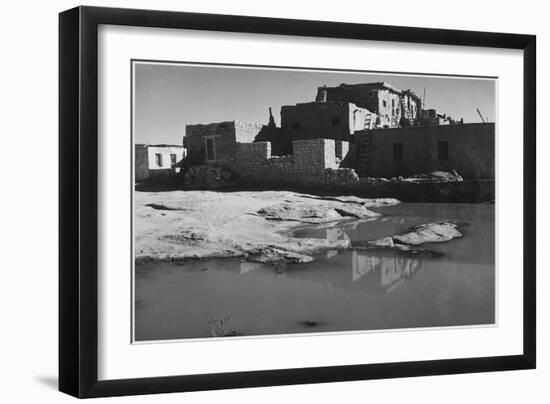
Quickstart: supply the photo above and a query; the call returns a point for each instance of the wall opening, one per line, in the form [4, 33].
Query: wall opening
[158, 159]
[173, 160]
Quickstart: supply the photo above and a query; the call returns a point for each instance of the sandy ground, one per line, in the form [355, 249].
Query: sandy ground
[180, 225]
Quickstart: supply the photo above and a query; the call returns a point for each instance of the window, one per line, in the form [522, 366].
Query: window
[173, 160]
[397, 152]
[335, 121]
[392, 104]
[158, 159]
[443, 151]
[210, 149]
[384, 103]
[296, 126]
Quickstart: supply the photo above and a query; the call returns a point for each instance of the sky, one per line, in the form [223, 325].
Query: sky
[170, 96]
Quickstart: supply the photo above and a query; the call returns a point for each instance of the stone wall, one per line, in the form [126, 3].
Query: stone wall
[207, 177]
[329, 120]
[471, 151]
[195, 141]
[141, 171]
[379, 98]
[246, 132]
[341, 177]
[225, 135]
[254, 164]
[314, 167]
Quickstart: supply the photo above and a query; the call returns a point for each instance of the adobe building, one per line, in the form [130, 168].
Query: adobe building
[157, 160]
[336, 120]
[338, 141]
[468, 149]
[234, 146]
[216, 143]
[393, 107]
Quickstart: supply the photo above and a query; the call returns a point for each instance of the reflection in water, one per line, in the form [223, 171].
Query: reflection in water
[340, 291]
[372, 273]
[392, 270]
[249, 266]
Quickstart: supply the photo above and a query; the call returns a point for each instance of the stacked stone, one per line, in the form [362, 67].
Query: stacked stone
[341, 177]
[207, 176]
[280, 170]
[250, 159]
[246, 132]
[311, 157]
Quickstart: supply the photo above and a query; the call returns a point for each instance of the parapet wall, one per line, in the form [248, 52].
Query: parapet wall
[246, 132]
[253, 163]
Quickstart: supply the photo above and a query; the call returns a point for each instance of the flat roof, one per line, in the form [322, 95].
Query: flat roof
[158, 145]
[375, 84]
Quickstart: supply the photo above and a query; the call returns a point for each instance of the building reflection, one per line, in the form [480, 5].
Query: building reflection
[358, 270]
[389, 272]
[327, 231]
[372, 271]
[247, 266]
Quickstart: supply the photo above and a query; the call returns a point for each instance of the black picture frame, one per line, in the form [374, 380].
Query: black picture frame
[78, 201]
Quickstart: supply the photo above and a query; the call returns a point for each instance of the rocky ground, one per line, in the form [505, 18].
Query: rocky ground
[257, 226]
[181, 225]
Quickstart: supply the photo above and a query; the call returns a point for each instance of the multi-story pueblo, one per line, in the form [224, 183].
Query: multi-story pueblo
[352, 136]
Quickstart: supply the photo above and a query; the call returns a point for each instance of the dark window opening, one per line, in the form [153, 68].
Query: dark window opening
[296, 126]
[384, 104]
[335, 121]
[397, 152]
[210, 149]
[443, 151]
[173, 160]
[158, 159]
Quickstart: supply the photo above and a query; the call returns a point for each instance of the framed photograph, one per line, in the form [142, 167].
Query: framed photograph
[251, 201]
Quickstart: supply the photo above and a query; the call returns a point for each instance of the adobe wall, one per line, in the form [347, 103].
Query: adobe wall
[253, 163]
[165, 151]
[471, 151]
[315, 120]
[194, 141]
[359, 95]
[146, 162]
[246, 132]
[226, 136]
[389, 108]
[369, 97]
[141, 163]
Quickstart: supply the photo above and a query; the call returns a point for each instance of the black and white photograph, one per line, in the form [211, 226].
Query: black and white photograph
[273, 201]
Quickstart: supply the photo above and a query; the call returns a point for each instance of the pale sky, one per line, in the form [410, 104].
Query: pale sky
[168, 96]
